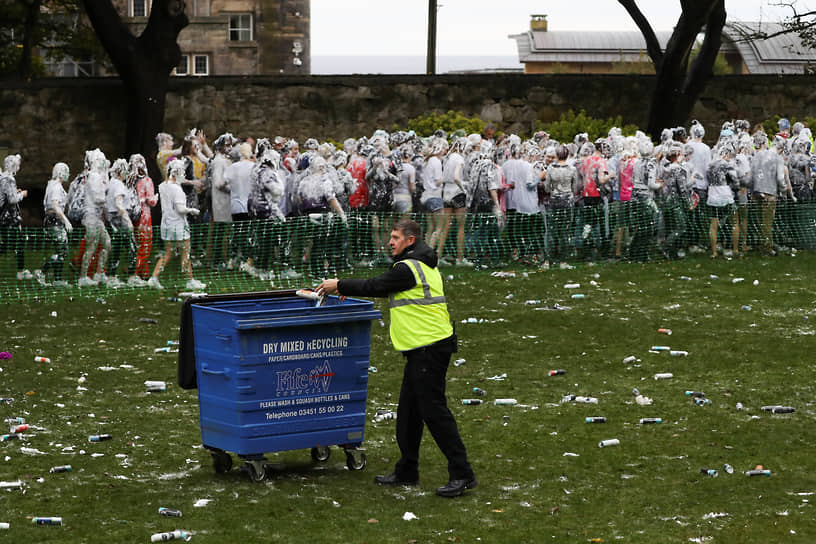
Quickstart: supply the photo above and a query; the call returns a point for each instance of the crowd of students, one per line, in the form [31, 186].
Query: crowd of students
[272, 209]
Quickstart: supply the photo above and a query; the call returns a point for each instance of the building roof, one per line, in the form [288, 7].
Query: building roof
[783, 54]
[577, 46]
[777, 55]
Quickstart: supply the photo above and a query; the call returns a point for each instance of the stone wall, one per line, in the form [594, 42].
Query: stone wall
[57, 120]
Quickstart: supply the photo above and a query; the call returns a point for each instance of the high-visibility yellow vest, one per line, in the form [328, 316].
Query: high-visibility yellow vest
[419, 316]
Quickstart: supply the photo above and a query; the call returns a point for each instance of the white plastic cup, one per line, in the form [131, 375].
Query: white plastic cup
[608, 443]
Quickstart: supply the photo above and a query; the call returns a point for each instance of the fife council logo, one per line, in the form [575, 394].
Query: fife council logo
[300, 381]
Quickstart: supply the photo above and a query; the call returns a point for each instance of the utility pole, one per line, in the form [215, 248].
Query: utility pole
[430, 62]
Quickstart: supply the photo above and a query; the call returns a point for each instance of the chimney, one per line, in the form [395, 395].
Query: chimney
[538, 22]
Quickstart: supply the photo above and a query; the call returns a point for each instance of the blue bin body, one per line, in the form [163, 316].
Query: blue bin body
[281, 374]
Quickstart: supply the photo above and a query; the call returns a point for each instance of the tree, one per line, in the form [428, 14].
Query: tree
[55, 28]
[802, 23]
[144, 64]
[680, 80]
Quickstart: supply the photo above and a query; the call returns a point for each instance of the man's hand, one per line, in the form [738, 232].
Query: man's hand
[327, 287]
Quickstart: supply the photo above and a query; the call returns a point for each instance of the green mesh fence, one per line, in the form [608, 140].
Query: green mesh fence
[39, 263]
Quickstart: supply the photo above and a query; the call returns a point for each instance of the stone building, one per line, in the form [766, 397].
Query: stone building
[226, 38]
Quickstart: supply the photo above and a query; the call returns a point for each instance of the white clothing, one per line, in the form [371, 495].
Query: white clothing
[116, 188]
[239, 178]
[699, 160]
[517, 171]
[450, 189]
[173, 224]
[94, 198]
[221, 205]
[432, 179]
[406, 177]
[55, 192]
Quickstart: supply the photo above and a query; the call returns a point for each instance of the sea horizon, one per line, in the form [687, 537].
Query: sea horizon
[410, 64]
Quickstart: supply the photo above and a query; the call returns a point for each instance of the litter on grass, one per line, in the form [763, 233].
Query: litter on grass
[408, 516]
[498, 377]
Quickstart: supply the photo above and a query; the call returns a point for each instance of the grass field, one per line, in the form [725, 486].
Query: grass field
[543, 477]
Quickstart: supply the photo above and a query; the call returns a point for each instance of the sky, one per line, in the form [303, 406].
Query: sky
[481, 27]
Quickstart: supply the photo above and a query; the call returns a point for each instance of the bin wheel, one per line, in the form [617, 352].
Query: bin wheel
[321, 454]
[355, 460]
[222, 461]
[256, 470]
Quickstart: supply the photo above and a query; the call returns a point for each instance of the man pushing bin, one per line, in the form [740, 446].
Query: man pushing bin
[421, 330]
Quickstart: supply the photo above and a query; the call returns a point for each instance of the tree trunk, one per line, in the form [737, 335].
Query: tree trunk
[32, 18]
[677, 88]
[144, 65]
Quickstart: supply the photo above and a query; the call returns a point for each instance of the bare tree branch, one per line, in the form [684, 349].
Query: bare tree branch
[652, 43]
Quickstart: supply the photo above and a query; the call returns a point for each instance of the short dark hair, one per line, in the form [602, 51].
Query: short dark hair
[408, 228]
[562, 152]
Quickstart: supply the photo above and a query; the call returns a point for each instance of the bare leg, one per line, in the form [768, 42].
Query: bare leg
[164, 259]
[92, 238]
[186, 267]
[105, 243]
[712, 235]
[443, 234]
[460, 239]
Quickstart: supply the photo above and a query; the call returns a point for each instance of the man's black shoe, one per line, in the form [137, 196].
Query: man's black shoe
[454, 488]
[393, 479]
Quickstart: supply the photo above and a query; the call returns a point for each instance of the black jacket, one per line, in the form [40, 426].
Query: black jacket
[395, 279]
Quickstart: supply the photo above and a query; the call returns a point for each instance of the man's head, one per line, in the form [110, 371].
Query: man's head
[404, 234]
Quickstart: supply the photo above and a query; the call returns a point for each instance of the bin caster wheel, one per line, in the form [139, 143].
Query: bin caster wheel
[355, 460]
[222, 461]
[320, 454]
[256, 470]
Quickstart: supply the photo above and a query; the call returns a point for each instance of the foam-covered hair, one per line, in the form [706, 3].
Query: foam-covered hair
[162, 138]
[697, 130]
[311, 144]
[587, 149]
[339, 158]
[60, 171]
[760, 140]
[800, 145]
[120, 168]
[11, 163]
[175, 169]
[326, 150]
[224, 143]
[349, 145]
[138, 164]
[645, 147]
[262, 146]
[317, 164]
[270, 158]
[727, 148]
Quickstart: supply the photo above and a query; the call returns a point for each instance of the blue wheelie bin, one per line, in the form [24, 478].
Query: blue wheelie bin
[275, 372]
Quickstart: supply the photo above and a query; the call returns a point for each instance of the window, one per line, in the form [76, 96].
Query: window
[240, 28]
[138, 8]
[201, 65]
[183, 67]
